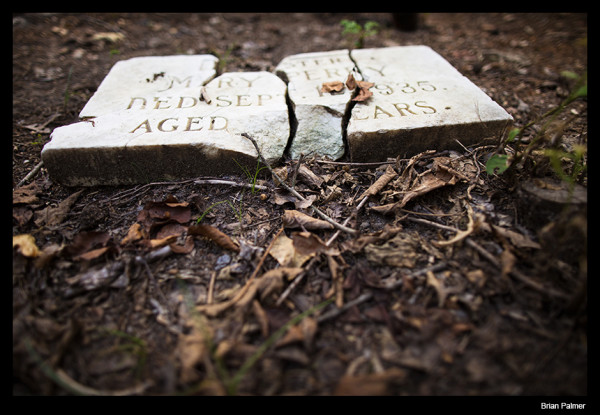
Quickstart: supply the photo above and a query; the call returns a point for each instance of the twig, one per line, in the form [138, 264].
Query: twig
[343, 163]
[230, 183]
[514, 272]
[296, 168]
[295, 193]
[31, 174]
[368, 295]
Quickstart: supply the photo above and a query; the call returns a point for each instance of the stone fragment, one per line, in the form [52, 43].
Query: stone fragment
[162, 125]
[419, 102]
[319, 115]
[140, 80]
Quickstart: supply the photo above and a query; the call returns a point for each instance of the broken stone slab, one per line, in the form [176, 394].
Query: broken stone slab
[173, 133]
[319, 115]
[146, 78]
[419, 102]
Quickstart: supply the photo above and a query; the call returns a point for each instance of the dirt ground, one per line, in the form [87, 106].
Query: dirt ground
[472, 286]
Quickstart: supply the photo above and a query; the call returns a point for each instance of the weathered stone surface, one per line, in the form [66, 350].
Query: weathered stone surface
[148, 77]
[419, 102]
[172, 133]
[319, 115]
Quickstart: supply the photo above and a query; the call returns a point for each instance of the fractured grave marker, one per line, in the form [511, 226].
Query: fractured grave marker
[419, 102]
[154, 119]
[163, 118]
[319, 115]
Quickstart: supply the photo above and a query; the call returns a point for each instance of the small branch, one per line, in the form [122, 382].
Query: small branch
[295, 193]
[31, 174]
[230, 183]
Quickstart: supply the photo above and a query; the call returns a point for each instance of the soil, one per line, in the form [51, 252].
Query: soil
[502, 310]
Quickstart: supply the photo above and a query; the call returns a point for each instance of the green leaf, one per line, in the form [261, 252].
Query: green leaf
[497, 164]
[512, 134]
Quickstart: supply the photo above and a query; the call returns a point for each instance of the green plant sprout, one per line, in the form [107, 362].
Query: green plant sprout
[352, 29]
[252, 177]
[499, 163]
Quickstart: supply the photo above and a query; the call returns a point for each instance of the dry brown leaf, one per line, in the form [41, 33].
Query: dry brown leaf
[399, 251]
[515, 238]
[269, 283]
[86, 241]
[93, 254]
[186, 248]
[25, 194]
[363, 91]
[52, 216]
[215, 235]
[310, 178]
[431, 180]
[351, 82]
[192, 349]
[158, 213]
[135, 233]
[307, 243]
[372, 384]
[380, 183]
[333, 86]
[26, 245]
[296, 219]
[285, 253]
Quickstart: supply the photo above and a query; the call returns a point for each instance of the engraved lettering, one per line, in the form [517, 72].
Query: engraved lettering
[182, 100]
[379, 110]
[401, 107]
[192, 121]
[145, 124]
[142, 105]
[159, 102]
[241, 98]
[174, 79]
[218, 123]
[261, 97]
[379, 71]
[433, 110]
[161, 123]
[224, 99]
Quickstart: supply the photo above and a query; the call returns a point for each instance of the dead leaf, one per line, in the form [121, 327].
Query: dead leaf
[333, 86]
[52, 216]
[302, 332]
[372, 384]
[86, 241]
[515, 238]
[26, 194]
[363, 91]
[186, 248]
[26, 245]
[22, 214]
[430, 180]
[285, 253]
[380, 183]
[351, 82]
[171, 229]
[399, 251]
[307, 243]
[296, 219]
[158, 213]
[192, 349]
[269, 283]
[135, 233]
[214, 235]
[310, 178]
